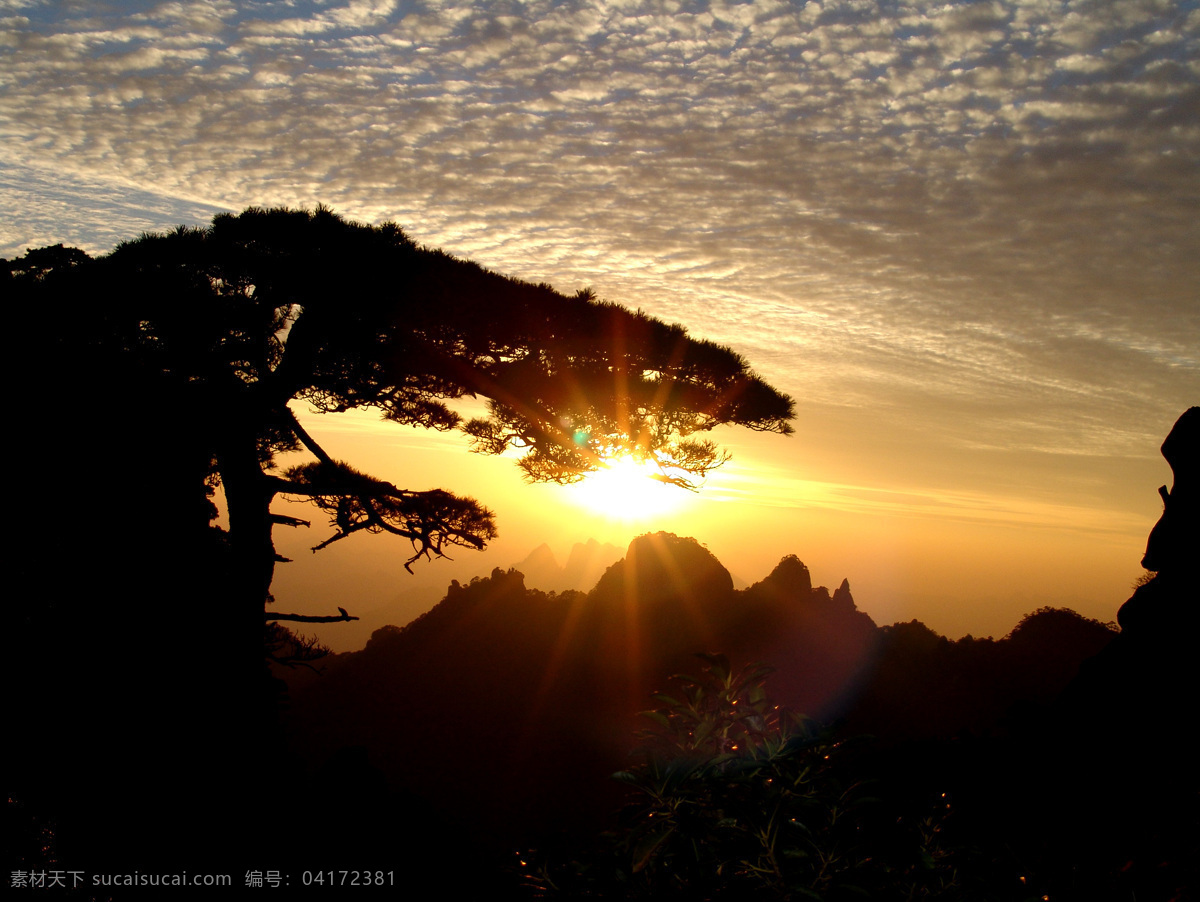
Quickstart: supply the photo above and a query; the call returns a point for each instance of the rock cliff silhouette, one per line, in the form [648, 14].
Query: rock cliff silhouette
[1124, 770]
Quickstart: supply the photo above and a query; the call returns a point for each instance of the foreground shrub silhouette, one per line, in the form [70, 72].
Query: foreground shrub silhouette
[736, 797]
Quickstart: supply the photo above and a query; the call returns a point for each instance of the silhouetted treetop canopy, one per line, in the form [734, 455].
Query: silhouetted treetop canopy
[39, 262]
[309, 306]
[234, 321]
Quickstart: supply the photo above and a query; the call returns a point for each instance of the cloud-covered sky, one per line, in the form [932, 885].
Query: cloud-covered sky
[964, 235]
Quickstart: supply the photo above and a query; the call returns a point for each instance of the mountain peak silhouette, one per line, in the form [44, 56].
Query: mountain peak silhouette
[541, 568]
[790, 577]
[842, 597]
[586, 563]
[662, 566]
[542, 554]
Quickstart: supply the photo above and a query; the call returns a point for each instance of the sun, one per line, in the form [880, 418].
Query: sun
[626, 489]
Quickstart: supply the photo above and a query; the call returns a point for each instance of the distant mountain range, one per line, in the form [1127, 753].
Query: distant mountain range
[516, 704]
[585, 564]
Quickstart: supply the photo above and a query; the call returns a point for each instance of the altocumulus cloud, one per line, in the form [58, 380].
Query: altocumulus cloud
[975, 209]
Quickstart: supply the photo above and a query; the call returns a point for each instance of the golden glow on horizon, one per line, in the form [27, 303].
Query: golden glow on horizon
[915, 543]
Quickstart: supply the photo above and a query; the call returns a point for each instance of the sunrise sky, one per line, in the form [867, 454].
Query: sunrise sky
[964, 236]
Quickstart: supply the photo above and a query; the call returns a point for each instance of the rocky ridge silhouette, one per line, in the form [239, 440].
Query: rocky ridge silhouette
[517, 705]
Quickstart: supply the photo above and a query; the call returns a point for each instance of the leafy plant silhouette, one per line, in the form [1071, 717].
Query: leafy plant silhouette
[737, 797]
[738, 794]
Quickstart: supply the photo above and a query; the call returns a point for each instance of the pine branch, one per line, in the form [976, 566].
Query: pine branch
[309, 618]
